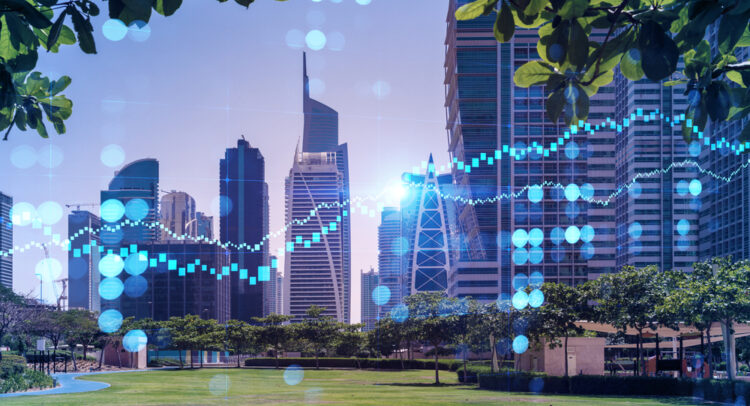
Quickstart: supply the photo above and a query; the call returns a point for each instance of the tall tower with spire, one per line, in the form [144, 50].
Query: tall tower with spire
[318, 240]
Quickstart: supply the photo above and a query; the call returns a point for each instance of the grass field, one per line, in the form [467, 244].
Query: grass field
[267, 386]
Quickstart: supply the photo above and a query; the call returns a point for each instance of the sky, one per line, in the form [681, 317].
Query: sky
[186, 87]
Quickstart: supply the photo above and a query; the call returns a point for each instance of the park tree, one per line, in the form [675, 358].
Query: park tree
[12, 311]
[183, 336]
[274, 333]
[208, 336]
[434, 314]
[645, 38]
[387, 338]
[81, 328]
[563, 306]
[350, 341]
[317, 330]
[27, 97]
[467, 315]
[241, 338]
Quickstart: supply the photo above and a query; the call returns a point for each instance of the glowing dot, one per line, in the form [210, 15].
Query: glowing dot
[134, 340]
[635, 230]
[110, 288]
[635, 190]
[520, 256]
[536, 255]
[317, 87]
[136, 209]
[572, 192]
[315, 40]
[536, 236]
[694, 149]
[114, 29]
[503, 302]
[695, 187]
[536, 279]
[295, 39]
[50, 156]
[536, 194]
[363, 2]
[221, 206]
[683, 244]
[572, 234]
[336, 41]
[50, 212]
[293, 375]
[381, 89]
[572, 210]
[23, 156]
[112, 210]
[587, 233]
[520, 343]
[572, 150]
[111, 265]
[139, 31]
[587, 251]
[381, 295]
[683, 227]
[536, 298]
[219, 385]
[520, 237]
[136, 263]
[135, 286]
[520, 281]
[557, 235]
[682, 188]
[520, 300]
[587, 191]
[400, 246]
[400, 313]
[558, 253]
[635, 247]
[112, 155]
[48, 270]
[110, 321]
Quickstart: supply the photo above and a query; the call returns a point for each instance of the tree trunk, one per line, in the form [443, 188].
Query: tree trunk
[710, 357]
[466, 380]
[703, 355]
[276, 355]
[565, 354]
[101, 356]
[73, 356]
[401, 355]
[238, 361]
[191, 359]
[119, 360]
[493, 350]
[179, 354]
[640, 354]
[317, 363]
[437, 376]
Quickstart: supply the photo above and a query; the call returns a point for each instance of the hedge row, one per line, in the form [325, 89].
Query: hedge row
[364, 363]
[14, 376]
[707, 389]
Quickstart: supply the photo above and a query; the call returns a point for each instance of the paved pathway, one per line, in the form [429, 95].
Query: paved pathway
[69, 384]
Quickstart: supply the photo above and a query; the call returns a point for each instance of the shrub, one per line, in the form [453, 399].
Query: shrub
[364, 363]
[11, 365]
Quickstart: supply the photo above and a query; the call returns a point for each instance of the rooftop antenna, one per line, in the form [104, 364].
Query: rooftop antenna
[243, 137]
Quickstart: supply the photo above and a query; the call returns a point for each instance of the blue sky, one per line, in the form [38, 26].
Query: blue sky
[212, 72]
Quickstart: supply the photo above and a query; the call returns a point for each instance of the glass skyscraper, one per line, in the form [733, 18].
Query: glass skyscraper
[83, 260]
[369, 309]
[177, 214]
[6, 241]
[244, 224]
[390, 255]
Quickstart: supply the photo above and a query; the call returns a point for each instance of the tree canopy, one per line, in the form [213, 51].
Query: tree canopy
[644, 38]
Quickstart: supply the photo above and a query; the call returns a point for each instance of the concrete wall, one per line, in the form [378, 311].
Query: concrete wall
[125, 359]
[585, 355]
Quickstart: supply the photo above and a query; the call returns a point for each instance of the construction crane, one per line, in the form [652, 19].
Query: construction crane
[63, 281]
[78, 205]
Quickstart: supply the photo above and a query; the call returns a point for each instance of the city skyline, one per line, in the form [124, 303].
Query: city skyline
[386, 111]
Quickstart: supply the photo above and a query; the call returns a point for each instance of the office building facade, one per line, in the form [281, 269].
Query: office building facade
[205, 225]
[370, 311]
[244, 225]
[178, 216]
[6, 241]
[391, 250]
[83, 261]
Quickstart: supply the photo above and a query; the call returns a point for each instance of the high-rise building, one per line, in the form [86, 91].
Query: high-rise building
[391, 249]
[83, 260]
[369, 310]
[498, 134]
[205, 225]
[176, 278]
[244, 225]
[318, 270]
[129, 213]
[6, 241]
[279, 293]
[426, 228]
[177, 210]
[724, 206]
[270, 290]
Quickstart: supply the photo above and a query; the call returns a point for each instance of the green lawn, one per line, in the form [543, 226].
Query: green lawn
[267, 386]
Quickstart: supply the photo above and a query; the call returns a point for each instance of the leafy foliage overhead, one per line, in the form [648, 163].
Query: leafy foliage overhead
[26, 26]
[645, 38]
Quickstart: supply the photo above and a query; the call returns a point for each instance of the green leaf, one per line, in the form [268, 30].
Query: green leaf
[85, 32]
[630, 64]
[557, 43]
[535, 7]
[30, 13]
[474, 9]
[698, 115]
[56, 29]
[744, 40]
[736, 77]
[578, 45]
[245, 3]
[505, 25]
[731, 29]
[167, 7]
[532, 73]
[659, 53]
[576, 104]
[573, 9]
[670, 83]
[554, 105]
[59, 85]
[718, 101]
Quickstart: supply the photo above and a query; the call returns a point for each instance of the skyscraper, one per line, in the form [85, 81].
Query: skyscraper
[369, 307]
[318, 186]
[497, 133]
[316, 270]
[279, 293]
[244, 224]
[83, 260]
[391, 249]
[270, 290]
[177, 210]
[6, 241]
[205, 225]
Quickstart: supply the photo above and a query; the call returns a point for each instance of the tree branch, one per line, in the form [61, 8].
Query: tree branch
[616, 14]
